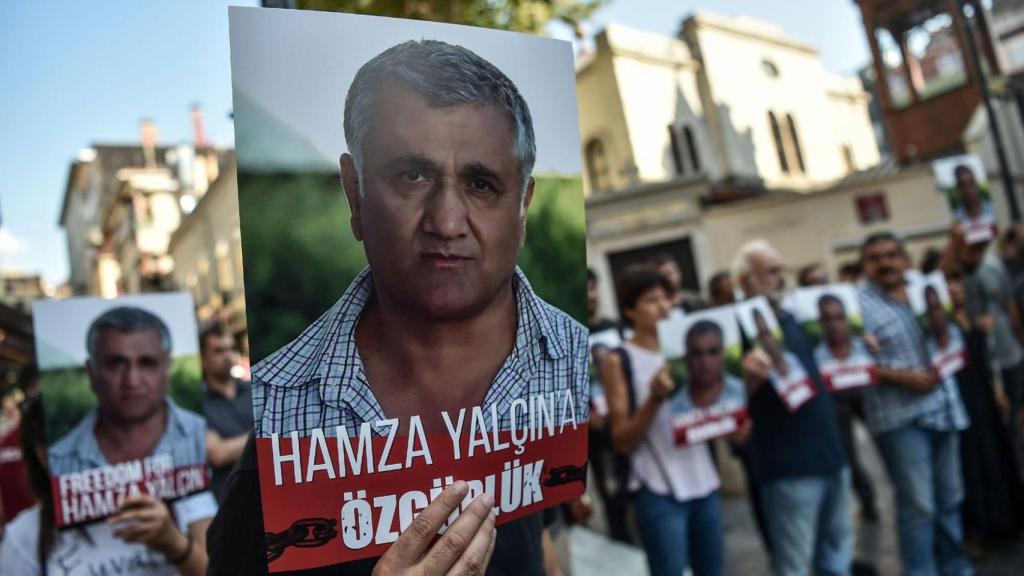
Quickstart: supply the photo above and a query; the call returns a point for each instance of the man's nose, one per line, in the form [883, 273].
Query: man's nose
[446, 214]
[132, 376]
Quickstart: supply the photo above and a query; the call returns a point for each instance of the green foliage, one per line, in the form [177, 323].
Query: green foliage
[67, 396]
[813, 328]
[300, 255]
[515, 15]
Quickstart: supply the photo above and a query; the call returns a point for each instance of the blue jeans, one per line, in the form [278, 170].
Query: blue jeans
[809, 524]
[924, 466]
[680, 534]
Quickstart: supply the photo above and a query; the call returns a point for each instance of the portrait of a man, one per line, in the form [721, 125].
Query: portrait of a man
[438, 180]
[128, 369]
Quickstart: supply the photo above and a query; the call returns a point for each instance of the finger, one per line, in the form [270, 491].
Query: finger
[134, 515]
[474, 560]
[407, 550]
[450, 547]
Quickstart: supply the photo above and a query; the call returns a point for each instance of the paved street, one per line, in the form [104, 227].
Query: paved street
[593, 554]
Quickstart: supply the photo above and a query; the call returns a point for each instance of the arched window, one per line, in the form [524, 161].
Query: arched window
[795, 142]
[691, 145]
[597, 166]
[780, 148]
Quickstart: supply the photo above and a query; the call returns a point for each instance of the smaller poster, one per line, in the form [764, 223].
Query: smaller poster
[122, 397]
[962, 179]
[831, 315]
[712, 400]
[931, 302]
[787, 376]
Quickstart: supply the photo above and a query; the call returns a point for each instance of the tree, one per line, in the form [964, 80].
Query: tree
[516, 15]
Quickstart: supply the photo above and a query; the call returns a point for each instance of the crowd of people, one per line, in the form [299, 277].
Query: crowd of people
[949, 440]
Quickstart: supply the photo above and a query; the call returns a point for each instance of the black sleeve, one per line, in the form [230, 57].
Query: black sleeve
[234, 542]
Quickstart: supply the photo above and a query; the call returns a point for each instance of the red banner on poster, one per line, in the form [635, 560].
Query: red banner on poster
[341, 498]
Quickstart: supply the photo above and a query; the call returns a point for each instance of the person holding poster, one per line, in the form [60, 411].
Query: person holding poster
[122, 485]
[914, 416]
[968, 199]
[145, 538]
[439, 364]
[796, 456]
[844, 360]
[847, 365]
[678, 513]
[712, 402]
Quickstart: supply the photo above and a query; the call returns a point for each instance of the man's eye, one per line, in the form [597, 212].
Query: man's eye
[481, 185]
[414, 176]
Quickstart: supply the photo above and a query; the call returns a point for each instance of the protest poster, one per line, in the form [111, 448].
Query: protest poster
[420, 323]
[931, 302]
[963, 181]
[704, 353]
[831, 316]
[122, 396]
[787, 375]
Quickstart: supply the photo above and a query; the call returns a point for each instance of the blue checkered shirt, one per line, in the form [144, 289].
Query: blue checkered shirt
[901, 343]
[184, 439]
[318, 380]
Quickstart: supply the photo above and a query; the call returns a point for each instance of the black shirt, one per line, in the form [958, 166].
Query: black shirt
[228, 417]
[235, 539]
[803, 443]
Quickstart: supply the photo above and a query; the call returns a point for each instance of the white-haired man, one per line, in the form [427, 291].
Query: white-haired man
[796, 457]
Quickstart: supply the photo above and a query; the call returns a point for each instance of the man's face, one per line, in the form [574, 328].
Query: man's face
[968, 187]
[219, 356]
[671, 273]
[441, 215]
[766, 276]
[935, 312]
[705, 360]
[834, 324]
[723, 292]
[591, 298]
[815, 277]
[884, 263]
[129, 374]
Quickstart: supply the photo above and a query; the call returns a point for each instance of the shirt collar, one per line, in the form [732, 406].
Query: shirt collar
[342, 375]
[88, 449]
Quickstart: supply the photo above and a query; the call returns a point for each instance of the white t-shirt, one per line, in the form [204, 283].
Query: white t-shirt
[73, 554]
[684, 473]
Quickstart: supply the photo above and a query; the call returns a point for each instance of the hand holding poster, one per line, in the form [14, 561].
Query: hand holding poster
[712, 401]
[787, 376]
[962, 179]
[121, 393]
[832, 314]
[930, 300]
[442, 360]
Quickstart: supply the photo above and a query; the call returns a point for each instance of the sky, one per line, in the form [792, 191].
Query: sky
[326, 50]
[77, 73]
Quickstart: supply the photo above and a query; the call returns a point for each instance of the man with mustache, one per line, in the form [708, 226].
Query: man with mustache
[438, 180]
[915, 418]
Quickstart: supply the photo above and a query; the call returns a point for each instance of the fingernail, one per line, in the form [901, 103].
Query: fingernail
[461, 487]
[486, 500]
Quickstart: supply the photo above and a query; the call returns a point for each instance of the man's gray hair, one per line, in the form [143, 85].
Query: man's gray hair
[741, 261]
[127, 319]
[445, 75]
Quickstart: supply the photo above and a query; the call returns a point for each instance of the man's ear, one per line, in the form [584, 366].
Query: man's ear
[90, 374]
[525, 207]
[350, 183]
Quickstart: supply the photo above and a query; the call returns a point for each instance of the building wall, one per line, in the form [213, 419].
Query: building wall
[601, 118]
[736, 55]
[208, 257]
[656, 78]
[823, 227]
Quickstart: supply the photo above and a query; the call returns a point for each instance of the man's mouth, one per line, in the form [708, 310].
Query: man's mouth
[442, 259]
